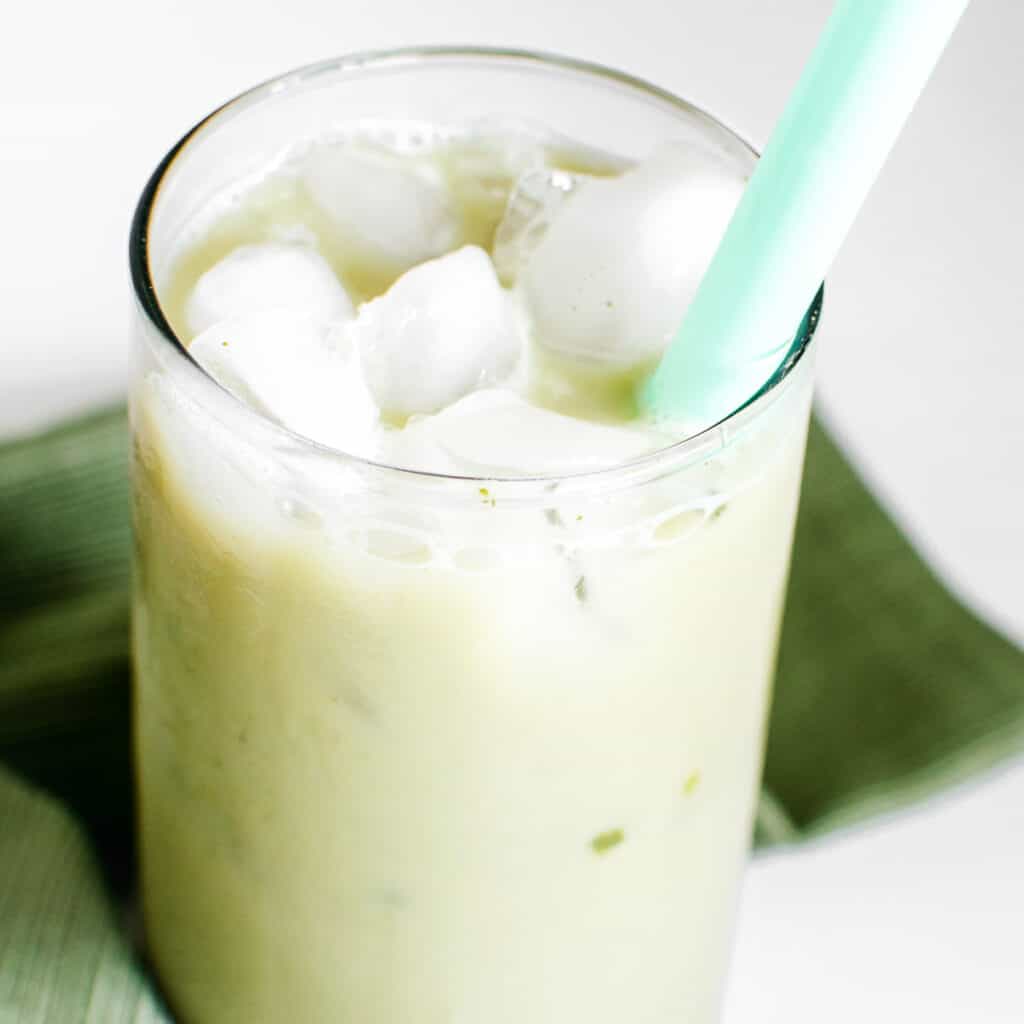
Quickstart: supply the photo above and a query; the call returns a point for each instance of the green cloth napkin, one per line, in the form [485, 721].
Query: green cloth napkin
[887, 689]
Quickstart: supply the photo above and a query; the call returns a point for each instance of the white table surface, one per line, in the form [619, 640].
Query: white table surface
[916, 919]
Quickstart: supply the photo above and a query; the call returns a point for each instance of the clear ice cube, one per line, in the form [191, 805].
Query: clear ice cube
[386, 207]
[535, 200]
[266, 276]
[298, 370]
[621, 259]
[497, 432]
[443, 329]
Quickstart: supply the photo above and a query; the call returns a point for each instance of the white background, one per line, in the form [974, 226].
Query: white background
[918, 919]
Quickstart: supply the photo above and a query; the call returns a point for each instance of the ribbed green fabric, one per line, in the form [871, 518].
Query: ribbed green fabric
[887, 689]
[65, 554]
[65, 958]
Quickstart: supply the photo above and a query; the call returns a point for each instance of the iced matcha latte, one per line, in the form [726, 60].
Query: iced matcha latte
[451, 669]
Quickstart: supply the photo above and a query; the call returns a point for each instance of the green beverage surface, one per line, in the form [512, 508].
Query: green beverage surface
[479, 175]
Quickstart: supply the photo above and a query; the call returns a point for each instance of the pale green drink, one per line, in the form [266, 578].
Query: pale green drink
[419, 748]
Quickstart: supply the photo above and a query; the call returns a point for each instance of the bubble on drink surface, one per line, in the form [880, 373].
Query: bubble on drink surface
[443, 329]
[497, 432]
[534, 201]
[619, 263]
[267, 276]
[391, 209]
[678, 524]
[296, 369]
[394, 546]
[298, 510]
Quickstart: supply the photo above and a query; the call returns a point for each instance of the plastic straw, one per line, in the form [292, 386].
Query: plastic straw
[870, 65]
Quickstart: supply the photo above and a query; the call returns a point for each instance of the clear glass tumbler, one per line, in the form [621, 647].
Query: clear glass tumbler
[417, 749]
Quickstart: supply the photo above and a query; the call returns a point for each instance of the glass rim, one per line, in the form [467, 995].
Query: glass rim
[145, 290]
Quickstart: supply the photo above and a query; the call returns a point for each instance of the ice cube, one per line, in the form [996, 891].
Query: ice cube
[497, 432]
[296, 369]
[270, 275]
[443, 329]
[618, 265]
[389, 209]
[535, 199]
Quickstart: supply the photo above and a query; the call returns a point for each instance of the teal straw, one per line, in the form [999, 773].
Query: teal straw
[871, 63]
